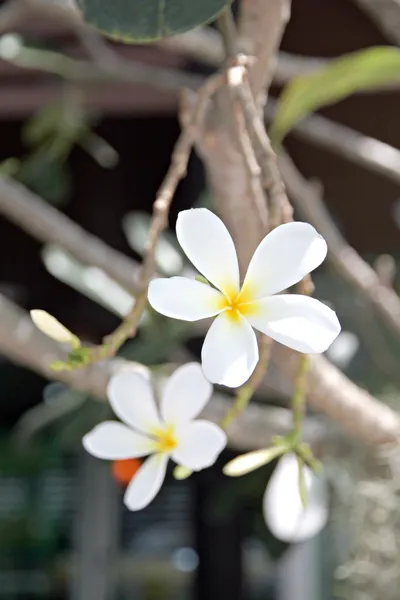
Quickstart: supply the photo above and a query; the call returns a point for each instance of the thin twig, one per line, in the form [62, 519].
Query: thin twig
[247, 391]
[177, 170]
[249, 158]
[235, 64]
[281, 209]
[271, 178]
[299, 398]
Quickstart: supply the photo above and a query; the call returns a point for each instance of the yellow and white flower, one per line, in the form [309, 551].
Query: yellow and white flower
[283, 258]
[171, 432]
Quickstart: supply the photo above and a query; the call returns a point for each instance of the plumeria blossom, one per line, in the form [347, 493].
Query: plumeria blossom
[283, 510]
[170, 432]
[282, 259]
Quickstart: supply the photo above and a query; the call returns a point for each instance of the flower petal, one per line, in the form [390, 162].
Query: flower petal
[302, 323]
[230, 351]
[131, 398]
[282, 507]
[185, 299]
[199, 445]
[208, 245]
[283, 258]
[113, 441]
[185, 395]
[147, 482]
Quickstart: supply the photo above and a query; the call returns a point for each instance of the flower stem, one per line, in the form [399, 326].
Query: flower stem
[298, 398]
[246, 392]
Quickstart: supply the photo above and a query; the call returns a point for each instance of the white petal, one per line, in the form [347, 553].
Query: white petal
[283, 258]
[113, 441]
[208, 245]
[185, 299]
[230, 351]
[131, 398]
[185, 395]
[147, 482]
[302, 323]
[283, 510]
[199, 445]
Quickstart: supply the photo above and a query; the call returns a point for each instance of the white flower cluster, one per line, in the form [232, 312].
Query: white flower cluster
[229, 356]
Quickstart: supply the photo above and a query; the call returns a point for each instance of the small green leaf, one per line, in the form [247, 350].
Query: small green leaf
[369, 69]
[138, 21]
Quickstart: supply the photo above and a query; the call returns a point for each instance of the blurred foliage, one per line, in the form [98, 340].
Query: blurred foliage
[26, 460]
[232, 496]
[370, 69]
[169, 256]
[51, 134]
[28, 529]
[135, 21]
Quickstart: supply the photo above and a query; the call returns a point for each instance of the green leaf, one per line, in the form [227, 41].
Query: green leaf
[364, 70]
[134, 21]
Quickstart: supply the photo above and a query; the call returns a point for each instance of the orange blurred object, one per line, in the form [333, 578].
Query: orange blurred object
[124, 470]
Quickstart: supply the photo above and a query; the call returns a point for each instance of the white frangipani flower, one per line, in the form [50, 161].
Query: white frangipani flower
[283, 258]
[283, 510]
[170, 433]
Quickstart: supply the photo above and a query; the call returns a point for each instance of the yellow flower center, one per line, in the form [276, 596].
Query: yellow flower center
[165, 439]
[236, 304]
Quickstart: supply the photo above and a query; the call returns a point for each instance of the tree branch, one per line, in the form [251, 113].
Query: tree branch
[22, 343]
[374, 155]
[386, 15]
[346, 260]
[261, 26]
[329, 391]
[46, 224]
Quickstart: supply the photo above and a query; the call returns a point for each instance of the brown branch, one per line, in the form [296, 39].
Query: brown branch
[330, 392]
[24, 344]
[261, 26]
[385, 14]
[346, 260]
[205, 46]
[48, 225]
[363, 150]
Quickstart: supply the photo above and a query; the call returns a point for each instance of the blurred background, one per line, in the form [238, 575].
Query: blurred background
[98, 152]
